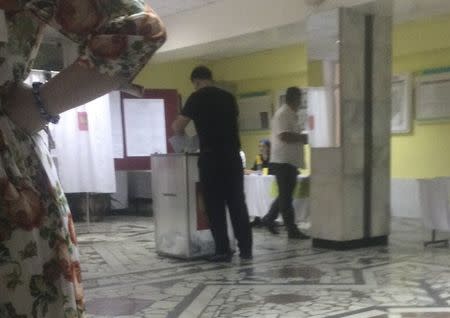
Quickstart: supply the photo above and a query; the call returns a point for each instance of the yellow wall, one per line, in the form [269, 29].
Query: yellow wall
[173, 75]
[417, 46]
[266, 71]
[426, 151]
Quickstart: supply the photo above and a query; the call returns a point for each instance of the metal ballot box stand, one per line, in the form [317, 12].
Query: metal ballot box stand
[181, 225]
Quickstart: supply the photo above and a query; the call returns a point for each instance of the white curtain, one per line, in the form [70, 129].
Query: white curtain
[320, 126]
[323, 109]
[84, 149]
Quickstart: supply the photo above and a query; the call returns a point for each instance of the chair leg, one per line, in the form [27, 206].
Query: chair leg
[434, 241]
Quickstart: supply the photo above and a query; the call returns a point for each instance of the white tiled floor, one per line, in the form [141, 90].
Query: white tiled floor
[124, 277]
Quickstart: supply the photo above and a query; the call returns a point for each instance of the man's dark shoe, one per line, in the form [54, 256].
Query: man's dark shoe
[221, 258]
[246, 256]
[272, 227]
[257, 222]
[295, 233]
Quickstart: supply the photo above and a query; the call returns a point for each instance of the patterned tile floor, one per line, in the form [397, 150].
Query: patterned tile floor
[123, 277]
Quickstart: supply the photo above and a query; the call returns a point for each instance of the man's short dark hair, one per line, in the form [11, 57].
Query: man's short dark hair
[201, 73]
[292, 95]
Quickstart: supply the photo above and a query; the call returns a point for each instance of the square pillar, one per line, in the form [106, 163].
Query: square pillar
[350, 177]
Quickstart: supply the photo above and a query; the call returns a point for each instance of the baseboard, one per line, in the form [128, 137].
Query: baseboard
[350, 245]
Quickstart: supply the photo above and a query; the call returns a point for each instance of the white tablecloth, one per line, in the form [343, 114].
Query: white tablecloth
[434, 202]
[427, 199]
[260, 195]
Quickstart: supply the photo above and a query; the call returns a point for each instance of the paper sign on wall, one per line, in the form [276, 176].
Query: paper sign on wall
[145, 127]
[83, 124]
[311, 122]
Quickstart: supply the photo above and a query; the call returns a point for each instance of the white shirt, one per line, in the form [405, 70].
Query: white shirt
[244, 160]
[286, 120]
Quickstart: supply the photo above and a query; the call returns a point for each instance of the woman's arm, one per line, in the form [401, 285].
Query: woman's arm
[116, 42]
[74, 86]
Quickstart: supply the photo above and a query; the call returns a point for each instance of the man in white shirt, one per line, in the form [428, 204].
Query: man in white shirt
[286, 157]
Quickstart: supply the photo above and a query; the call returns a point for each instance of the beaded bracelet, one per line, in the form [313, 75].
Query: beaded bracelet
[54, 119]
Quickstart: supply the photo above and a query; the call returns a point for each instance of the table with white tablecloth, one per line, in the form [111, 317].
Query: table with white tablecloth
[261, 190]
[428, 199]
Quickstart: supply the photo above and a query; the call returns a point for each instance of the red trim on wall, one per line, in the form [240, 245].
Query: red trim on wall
[171, 104]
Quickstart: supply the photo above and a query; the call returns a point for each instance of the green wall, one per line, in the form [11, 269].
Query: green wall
[417, 46]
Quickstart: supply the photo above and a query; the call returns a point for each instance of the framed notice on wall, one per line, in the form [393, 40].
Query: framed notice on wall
[401, 104]
[255, 110]
[433, 97]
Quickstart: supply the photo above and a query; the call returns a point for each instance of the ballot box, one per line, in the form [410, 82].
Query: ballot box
[181, 223]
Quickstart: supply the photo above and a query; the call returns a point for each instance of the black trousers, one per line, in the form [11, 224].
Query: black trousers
[222, 180]
[286, 176]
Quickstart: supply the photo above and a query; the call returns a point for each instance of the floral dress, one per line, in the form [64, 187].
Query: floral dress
[39, 267]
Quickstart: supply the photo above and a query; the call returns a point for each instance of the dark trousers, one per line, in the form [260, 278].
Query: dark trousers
[286, 176]
[222, 179]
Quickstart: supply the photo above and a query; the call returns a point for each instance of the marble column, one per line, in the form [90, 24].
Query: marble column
[350, 179]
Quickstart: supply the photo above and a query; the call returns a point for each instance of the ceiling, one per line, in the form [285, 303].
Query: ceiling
[215, 29]
[170, 7]
[287, 34]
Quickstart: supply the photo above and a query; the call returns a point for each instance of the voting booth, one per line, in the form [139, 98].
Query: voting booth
[140, 127]
[181, 223]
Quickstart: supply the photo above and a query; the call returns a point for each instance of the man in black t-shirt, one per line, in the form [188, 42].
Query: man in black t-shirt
[215, 115]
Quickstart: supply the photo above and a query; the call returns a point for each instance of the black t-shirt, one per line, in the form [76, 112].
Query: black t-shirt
[215, 115]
